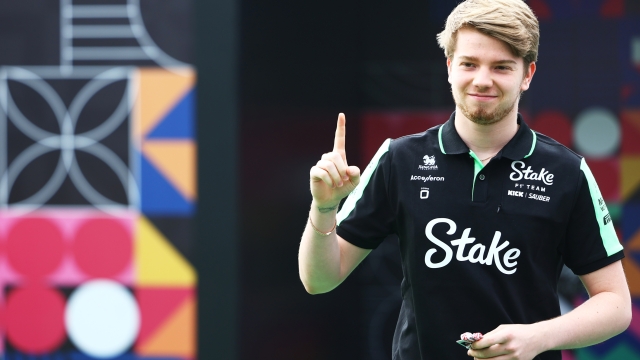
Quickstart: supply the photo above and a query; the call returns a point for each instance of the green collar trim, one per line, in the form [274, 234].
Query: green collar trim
[533, 144]
[440, 139]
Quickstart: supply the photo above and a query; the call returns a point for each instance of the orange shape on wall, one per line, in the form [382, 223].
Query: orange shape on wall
[633, 243]
[176, 160]
[159, 91]
[632, 272]
[177, 337]
[630, 176]
[156, 306]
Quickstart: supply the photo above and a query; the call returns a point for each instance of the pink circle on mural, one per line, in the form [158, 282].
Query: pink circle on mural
[102, 247]
[34, 247]
[554, 124]
[35, 319]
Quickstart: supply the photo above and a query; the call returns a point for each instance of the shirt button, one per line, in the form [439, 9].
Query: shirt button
[481, 177]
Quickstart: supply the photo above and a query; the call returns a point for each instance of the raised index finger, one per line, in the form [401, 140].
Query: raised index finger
[338, 142]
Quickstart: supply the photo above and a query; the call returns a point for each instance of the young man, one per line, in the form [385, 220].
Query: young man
[487, 212]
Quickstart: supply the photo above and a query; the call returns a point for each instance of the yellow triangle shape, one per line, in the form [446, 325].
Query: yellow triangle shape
[176, 337]
[158, 263]
[630, 175]
[176, 160]
[159, 90]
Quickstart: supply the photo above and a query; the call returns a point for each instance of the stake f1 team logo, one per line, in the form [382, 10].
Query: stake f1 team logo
[529, 174]
[429, 163]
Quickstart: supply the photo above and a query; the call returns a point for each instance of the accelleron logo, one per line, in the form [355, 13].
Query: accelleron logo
[427, 178]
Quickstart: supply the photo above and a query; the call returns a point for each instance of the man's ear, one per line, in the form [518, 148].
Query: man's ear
[449, 69]
[528, 76]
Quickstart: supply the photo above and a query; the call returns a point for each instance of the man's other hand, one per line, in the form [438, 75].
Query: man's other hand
[508, 342]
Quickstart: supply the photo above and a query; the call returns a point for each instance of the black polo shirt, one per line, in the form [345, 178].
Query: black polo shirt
[480, 245]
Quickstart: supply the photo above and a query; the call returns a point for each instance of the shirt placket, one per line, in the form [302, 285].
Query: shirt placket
[480, 181]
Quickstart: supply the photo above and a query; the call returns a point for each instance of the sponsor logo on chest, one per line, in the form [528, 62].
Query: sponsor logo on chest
[528, 195]
[476, 253]
[529, 191]
[429, 163]
[426, 178]
[519, 173]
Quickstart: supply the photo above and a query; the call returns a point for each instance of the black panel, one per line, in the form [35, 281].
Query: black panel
[217, 36]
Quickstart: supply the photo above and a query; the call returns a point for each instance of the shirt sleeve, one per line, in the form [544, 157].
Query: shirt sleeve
[365, 218]
[591, 242]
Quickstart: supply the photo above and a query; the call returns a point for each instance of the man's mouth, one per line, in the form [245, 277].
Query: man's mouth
[483, 97]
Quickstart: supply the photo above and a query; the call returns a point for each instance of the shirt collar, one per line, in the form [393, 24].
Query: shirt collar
[519, 147]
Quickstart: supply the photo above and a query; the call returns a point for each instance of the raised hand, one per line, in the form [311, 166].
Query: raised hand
[332, 178]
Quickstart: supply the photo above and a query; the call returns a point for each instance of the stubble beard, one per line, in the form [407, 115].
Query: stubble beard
[483, 117]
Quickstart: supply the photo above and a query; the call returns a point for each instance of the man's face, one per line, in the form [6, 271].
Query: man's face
[486, 78]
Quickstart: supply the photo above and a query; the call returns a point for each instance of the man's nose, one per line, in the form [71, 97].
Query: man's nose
[482, 78]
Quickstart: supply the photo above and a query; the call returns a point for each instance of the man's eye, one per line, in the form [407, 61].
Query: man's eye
[503, 68]
[467, 64]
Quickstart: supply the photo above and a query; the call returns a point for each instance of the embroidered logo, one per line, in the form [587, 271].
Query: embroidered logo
[529, 195]
[429, 163]
[424, 193]
[520, 173]
[426, 178]
[429, 160]
[478, 253]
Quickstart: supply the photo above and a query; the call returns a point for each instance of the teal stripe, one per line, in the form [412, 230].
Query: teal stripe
[477, 166]
[607, 232]
[356, 194]
[440, 139]
[533, 144]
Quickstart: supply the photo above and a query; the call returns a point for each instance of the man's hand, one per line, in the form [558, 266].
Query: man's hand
[509, 342]
[325, 259]
[331, 178]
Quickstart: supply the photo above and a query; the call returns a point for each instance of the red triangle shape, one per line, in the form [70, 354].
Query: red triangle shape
[607, 175]
[612, 8]
[630, 132]
[156, 305]
[541, 9]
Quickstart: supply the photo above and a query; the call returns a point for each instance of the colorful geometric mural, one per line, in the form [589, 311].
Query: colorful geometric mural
[167, 146]
[97, 193]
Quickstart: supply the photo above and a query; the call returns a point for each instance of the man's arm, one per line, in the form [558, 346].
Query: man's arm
[325, 259]
[606, 314]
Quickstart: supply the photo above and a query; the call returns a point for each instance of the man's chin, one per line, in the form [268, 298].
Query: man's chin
[480, 120]
[482, 117]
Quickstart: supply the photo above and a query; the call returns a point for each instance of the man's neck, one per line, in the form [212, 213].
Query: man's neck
[486, 140]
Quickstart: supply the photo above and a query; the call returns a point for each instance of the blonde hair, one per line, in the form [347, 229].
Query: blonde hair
[511, 21]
